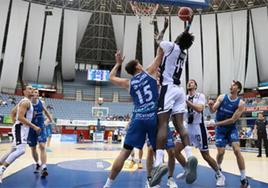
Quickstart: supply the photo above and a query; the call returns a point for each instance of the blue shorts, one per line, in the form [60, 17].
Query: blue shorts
[139, 128]
[224, 136]
[33, 137]
[170, 141]
[49, 130]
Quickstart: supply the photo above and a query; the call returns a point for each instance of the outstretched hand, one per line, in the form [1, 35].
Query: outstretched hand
[166, 23]
[118, 57]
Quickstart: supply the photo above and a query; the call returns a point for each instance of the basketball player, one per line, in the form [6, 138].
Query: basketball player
[48, 124]
[172, 100]
[144, 92]
[197, 131]
[132, 155]
[170, 148]
[229, 108]
[22, 113]
[41, 138]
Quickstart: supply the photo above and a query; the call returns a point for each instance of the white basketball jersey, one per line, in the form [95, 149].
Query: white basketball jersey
[198, 98]
[172, 63]
[29, 112]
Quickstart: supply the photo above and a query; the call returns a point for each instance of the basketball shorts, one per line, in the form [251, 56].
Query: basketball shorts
[198, 136]
[172, 98]
[226, 136]
[20, 134]
[33, 137]
[48, 130]
[170, 140]
[139, 128]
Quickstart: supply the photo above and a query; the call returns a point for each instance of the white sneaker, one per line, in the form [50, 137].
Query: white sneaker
[181, 175]
[171, 183]
[220, 182]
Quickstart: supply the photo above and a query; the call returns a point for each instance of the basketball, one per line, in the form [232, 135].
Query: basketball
[185, 13]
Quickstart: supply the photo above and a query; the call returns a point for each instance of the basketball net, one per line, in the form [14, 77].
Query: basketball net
[144, 9]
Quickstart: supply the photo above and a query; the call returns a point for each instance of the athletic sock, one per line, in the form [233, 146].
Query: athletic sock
[159, 157]
[43, 166]
[218, 173]
[243, 174]
[109, 182]
[188, 151]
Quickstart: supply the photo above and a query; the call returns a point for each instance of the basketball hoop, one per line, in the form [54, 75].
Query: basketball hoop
[144, 9]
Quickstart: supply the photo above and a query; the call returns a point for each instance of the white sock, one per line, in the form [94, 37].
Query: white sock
[2, 169]
[108, 183]
[159, 157]
[188, 151]
[218, 173]
[43, 166]
[243, 174]
[219, 165]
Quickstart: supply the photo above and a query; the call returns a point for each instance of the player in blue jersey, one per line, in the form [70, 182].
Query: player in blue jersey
[41, 138]
[229, 109]
[144, 92]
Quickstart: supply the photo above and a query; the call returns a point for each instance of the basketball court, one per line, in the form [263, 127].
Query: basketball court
[79, 28]
[88, 165]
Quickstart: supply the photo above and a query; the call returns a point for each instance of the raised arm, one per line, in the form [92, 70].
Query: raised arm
[153, 67]
[213, 106]
[235, 116]
[159, 37]
[122, 82]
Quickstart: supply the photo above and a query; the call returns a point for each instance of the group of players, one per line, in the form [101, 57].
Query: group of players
[158, 98]
[30, 127]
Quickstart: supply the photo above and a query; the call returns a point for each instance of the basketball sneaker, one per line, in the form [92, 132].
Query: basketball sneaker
[220, 180]
[131, 164]
[147, 185]
[181, 175]
[171, 183]
[157, 174]
[244, 183]
[37, 168]
[191, 167]
[44, 172]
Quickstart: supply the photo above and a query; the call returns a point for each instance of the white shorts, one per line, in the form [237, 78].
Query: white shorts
[198, 136]
[20, 134]
[172, 97]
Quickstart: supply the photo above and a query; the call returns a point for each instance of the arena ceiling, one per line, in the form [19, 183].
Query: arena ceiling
[98, 44]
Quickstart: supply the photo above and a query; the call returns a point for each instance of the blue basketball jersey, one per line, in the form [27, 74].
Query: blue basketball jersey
[226, 109]
[144, 92]
[38, 117]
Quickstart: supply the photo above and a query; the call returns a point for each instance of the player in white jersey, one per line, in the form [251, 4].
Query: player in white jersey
[197, 131]
[20, 129]
[172, 99]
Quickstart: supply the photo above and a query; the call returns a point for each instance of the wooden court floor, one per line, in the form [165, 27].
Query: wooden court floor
[256, 168]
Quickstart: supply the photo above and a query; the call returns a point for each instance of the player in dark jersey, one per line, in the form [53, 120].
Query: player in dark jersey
[172, 99]
[41, 138]
[229, 109]
[144, 92]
